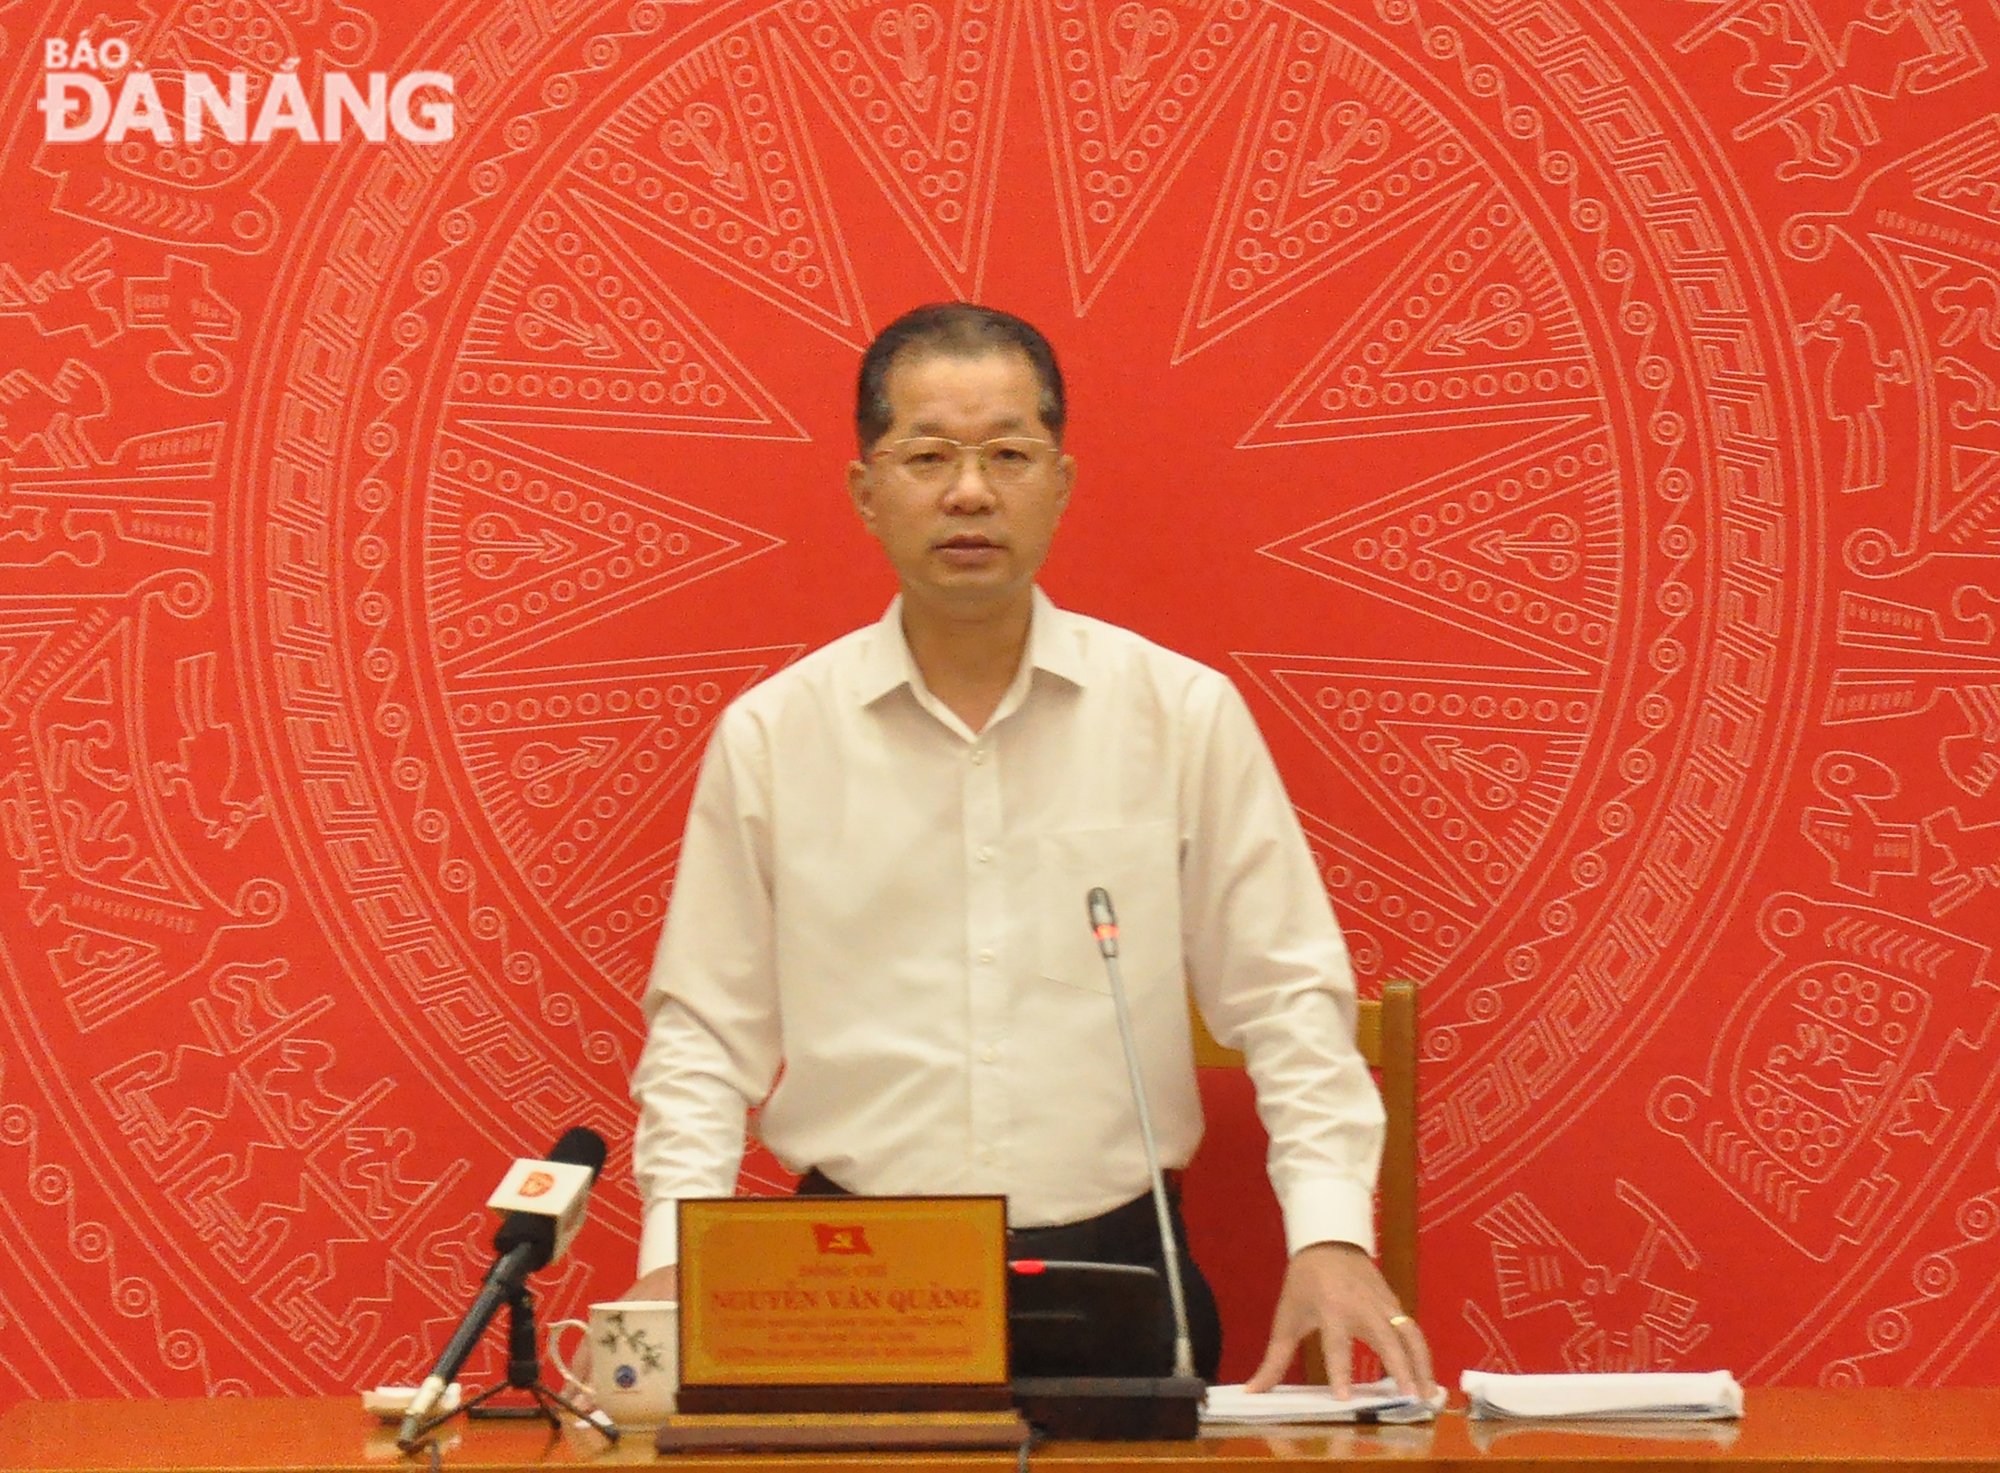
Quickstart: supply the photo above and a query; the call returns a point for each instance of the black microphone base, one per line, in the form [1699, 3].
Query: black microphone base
[1111, 1408]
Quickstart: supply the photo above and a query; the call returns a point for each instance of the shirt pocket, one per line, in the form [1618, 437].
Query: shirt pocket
[1138, 865]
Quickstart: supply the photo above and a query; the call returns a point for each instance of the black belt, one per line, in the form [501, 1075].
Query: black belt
[1126, 1234]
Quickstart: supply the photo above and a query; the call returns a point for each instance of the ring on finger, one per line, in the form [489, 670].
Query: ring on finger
[1400, 1320]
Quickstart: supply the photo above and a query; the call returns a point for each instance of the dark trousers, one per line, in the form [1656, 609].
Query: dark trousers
[1128, 1234]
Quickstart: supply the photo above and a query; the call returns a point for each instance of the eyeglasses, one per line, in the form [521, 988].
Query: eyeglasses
[933, 460]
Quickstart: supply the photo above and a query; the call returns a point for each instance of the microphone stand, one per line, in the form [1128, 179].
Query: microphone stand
[1125, 1408]
[524, 1373]
[1105, 925]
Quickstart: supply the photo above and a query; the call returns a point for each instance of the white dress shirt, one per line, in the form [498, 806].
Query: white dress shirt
[891, 907]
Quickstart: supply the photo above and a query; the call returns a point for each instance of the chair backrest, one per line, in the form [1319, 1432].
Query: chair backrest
[1386, 1034]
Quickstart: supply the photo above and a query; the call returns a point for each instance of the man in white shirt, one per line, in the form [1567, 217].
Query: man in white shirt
[882, 889]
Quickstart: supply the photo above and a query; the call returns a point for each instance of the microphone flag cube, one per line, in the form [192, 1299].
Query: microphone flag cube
[554, 1189]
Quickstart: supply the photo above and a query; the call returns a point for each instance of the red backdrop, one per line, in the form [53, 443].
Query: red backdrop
[1575, 426]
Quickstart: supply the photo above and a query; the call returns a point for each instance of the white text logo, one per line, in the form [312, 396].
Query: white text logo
[93, 91]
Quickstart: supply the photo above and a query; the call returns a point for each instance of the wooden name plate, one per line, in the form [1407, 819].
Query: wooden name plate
[804, 1304]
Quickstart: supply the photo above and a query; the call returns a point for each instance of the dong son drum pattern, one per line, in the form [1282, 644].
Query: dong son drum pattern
[1574, 426]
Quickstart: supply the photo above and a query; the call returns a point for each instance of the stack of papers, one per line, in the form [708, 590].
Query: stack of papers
[1372, 1402]
[1684, 1396]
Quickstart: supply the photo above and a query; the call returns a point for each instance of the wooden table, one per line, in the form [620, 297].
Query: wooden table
[1803, 1429]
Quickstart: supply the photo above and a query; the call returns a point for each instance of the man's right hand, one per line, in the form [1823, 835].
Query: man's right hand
[662, 1283]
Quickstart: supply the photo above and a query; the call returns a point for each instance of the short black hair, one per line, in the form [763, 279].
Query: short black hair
[958, 330]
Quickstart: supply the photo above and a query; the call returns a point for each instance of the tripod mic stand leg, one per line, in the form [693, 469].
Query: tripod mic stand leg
[545, 1395]
[524, 1373]
[524, 1369]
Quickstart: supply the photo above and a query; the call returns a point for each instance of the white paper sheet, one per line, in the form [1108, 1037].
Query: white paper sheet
[1680, 1395]
[1374, 1401]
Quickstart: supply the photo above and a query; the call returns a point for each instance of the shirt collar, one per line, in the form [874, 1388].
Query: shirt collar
[1054, 645]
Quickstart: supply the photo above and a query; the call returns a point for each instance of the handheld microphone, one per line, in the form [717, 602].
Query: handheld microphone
[1104, 923]
[543, 1203]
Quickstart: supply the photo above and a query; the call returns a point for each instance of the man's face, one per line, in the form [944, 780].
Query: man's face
[969, 539]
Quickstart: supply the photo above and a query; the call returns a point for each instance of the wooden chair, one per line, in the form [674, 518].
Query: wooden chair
[1386, 1034]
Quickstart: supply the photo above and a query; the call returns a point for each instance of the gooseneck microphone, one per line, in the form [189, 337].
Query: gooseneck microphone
[1104, 924]
[543, 1205]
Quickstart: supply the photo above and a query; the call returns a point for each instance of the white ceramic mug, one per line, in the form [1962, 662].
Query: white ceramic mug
[634, 1358]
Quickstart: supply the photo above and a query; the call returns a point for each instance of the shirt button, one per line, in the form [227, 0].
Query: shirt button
[986, 957]
[988, 1054]
[978, 756]
[985, 855]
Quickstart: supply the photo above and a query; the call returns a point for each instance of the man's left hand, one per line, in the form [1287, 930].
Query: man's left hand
[1336, 1289]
